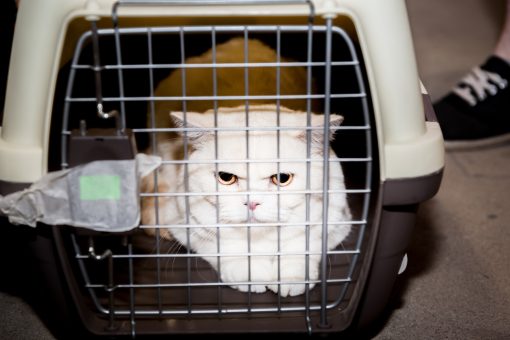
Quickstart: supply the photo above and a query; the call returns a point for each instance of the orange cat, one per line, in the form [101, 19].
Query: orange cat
[188, 207]
[230, 81]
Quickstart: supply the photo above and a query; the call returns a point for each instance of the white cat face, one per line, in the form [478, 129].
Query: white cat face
[261, 190]
[249, 192]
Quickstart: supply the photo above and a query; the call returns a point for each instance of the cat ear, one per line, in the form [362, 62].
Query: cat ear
[193, 120]
[334, 121]
[318, 134]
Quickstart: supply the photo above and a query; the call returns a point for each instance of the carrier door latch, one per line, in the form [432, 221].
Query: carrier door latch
[87, 145]
[95, 144]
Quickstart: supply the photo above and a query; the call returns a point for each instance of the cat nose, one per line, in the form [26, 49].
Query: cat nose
[252, 205]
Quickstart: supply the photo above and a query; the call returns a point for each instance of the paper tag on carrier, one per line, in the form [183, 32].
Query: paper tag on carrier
[101, 195]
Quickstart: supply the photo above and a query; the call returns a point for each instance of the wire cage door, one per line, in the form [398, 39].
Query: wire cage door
[159, 281]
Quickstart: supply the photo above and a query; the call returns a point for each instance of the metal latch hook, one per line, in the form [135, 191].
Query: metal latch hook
[97, 71]
[108, 115]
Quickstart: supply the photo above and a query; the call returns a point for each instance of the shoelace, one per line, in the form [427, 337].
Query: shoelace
[478, 83]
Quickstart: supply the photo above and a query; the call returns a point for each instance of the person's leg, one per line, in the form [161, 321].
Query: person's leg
[502, 49]
[477, 111]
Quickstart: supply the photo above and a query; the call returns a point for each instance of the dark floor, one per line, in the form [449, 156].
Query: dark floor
[457, 284]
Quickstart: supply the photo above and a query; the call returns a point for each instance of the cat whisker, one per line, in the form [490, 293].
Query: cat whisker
[199, 271]
[174, 249]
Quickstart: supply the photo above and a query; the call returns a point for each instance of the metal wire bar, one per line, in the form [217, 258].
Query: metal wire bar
[232, 254]
[266, 160]
[110, 286]
[369, 165]
[255, 225]
[84, 272]
[97, 69]
[186, 169]
[289, 64]
[247, 135]
[131, 287]
[208, 98]
[309, 56]
[258, 129]
[216, 156]
[118, 52]
[325, 183]
[242, 193]
[154, 144]
[278, 164]
[219, 29]
[214, 311]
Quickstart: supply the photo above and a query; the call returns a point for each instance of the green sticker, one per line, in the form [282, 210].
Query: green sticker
[101, 187]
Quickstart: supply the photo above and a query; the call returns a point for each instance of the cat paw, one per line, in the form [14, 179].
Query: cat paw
[294, 270]
[250, 288]
[237, 271]
[290, 289]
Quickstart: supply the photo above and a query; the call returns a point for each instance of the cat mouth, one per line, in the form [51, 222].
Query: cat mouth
[252, 219]
[260, 219]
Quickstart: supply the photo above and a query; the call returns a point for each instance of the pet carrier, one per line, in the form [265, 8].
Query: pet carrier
[97, 80]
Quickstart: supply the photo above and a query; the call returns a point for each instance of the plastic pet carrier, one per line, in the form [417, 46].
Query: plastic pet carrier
[295, 140]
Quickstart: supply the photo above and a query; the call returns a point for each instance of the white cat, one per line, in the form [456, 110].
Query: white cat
[262, 206]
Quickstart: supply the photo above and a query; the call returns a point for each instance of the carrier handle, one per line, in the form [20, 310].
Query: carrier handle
[211, 3]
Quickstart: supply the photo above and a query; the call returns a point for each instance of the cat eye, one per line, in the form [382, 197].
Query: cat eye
[282, 179]
[226, 178]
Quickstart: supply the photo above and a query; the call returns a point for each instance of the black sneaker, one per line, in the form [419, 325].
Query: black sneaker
[477, 111]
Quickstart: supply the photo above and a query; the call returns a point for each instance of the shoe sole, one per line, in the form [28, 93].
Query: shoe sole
[466, 145]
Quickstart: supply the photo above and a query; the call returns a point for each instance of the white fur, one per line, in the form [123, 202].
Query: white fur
[265, 241]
